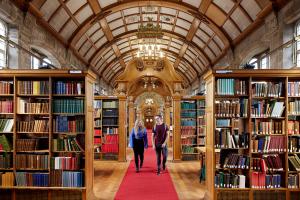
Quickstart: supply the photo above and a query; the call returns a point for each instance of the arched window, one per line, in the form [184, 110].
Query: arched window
[297, 38]
[40, 60]
[261, 61]
[3, 44]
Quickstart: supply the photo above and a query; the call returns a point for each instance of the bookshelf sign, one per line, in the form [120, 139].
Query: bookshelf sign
[223, 71]
[75, 71]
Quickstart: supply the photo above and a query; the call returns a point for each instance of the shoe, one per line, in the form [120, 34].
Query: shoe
[158, 172]
[137, 170]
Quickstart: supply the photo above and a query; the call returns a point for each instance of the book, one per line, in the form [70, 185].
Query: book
[6, 125]
[31, 161]
[68, 87]
[6, 106]
[6, 87]
[5, 144]
[33, 87]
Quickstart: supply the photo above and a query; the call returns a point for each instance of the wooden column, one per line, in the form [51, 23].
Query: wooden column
[131, 113]
[122, 128]
[176, 129]
[167, 115]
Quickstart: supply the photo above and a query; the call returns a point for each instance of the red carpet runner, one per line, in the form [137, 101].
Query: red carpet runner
[146, 184]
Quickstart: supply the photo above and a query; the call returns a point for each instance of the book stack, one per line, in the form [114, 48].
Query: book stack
[66, 163]
[39, 107]
[269, 144]
[294, 163]
[237, 161]
[228, 180]
[97, 141]
[261, 180]
[224, 139]
[294, 107]
[73, 106]
[110, 121]
[293, 181]
[6, 87]
[98, 122]
[188, 149]
[68, 124]
[6, 125]
[33, 126]
[231, 108]
[188, 130]
[188, 140]
[5, 145]
[293, 89]
[33, 87]
[267, 89]
[27, 161]
[264, 108]
[111, 143]
[69, 87]
[6, 179]
[294, 145]
[293, 127]
[6, 106]
[32, 179]
[5, 161]
[110, 104]
[66, 144]
[268, 128]
[268, 163]
[26, 144]
[110, 131]
[222, 123]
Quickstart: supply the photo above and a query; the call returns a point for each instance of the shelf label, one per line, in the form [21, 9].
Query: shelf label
[75, 71]
[223, 71]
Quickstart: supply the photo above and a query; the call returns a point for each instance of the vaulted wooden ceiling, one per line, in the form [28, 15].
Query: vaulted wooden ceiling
[197, 33]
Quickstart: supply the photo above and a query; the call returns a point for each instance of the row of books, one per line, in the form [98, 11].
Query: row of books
[97, 104]
[188, 149]
[262, 108]
[224, 139]
[227, 86]
[68, 106]
[97, 132]
[6, 87]
[261, 180]
[5, 161]
[188, 113]
[61, 178]
[6, 179]
[110, 121]
[97, 141]
[111, 139]
[188, 140]
[68, 124]
[294, 144]
[232, 108]
[201, 131]
[294, 163]
[110, 148]
[34, 126]
[37, 107]
[66, 144]
[32, 179]
[293, 88]
[28, 161]
[269, 144]
[294, 107]
[4, 143]
[110, 131]
[110, 112]
[267, 89]
[186, 105]
[6, 106]
[201, 141]
[200, 104]
[222, 123]
[188, 130]
[268, 128]
[268, 163]
[6, 125]
[110, 104]
[188, 122]
[201, 121]
[66, 163]
[228, 180]
[98, 122]
[293, 181]
[293, 127]
[68, 87]
[237, 161]
[33, 87]
[26, 144]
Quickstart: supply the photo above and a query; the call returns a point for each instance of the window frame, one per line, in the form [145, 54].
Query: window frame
[4, 52]
[297, 43]
[259, 60]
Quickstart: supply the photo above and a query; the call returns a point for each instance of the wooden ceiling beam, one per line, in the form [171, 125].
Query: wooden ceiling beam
[95, 6]
[204, 6]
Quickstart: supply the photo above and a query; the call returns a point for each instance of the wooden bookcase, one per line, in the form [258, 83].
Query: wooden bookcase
[269, 133]
[107, 146]
[192, 126]
[48, 106]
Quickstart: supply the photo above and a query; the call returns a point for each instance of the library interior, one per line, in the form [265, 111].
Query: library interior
[150, 99]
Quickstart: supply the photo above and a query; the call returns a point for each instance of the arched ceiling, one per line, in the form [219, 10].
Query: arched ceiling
[197, 33]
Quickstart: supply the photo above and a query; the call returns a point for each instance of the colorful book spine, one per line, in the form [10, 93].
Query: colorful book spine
[6, 106]
[228, 180]
[6, 87]
[32, 179]
[73, 106]
[33, 87]
[69, 87]
[68, 124]
[66, 163]
[261, 180]
[267, 89]
[27, 161]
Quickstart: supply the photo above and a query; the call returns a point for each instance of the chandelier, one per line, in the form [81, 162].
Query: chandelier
[149, 37]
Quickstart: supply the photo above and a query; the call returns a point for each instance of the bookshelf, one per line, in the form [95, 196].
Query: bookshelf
[252, 121]
[46, 134]
[192, 126]
[106, 134]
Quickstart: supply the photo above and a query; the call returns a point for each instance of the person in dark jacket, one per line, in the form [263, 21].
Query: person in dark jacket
[138, 141]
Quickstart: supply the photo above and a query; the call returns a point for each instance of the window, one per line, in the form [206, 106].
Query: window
[3, 44]
[260, 61]
[297, 38]
[36, 63]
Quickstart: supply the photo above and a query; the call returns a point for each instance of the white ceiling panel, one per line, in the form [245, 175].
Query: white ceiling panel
[231, 30]
[84, 14]
[209, 53]
[240, 19]
[184, 24]
[204, 27]
[114, 24]
[180, 31]
[113, 16]
[131, 11]
[198, 42]
[74, 5]
[118, 31]
[48, 8]
[59, 19]
[90, 53]
[104, 3]
[91, 30]
[168, 11]
[225, 5]
[195, 3]
[68, 29]
[101, 42]
[219, 42]
[132, 27]
[167, 27]
[251, 7]
[186, 16]
[80, 42]
[214, 48]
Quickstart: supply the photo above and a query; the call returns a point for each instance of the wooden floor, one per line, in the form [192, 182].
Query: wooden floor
[185, 176]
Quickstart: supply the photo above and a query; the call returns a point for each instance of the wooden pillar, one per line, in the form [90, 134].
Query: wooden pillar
[122, 128]
[176, 129]
[131, 113]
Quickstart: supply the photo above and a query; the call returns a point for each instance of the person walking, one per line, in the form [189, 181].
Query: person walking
[160, 134]
[138, 141]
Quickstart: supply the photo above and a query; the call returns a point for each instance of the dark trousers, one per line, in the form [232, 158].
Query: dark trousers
[138, 149]
[161, 151]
